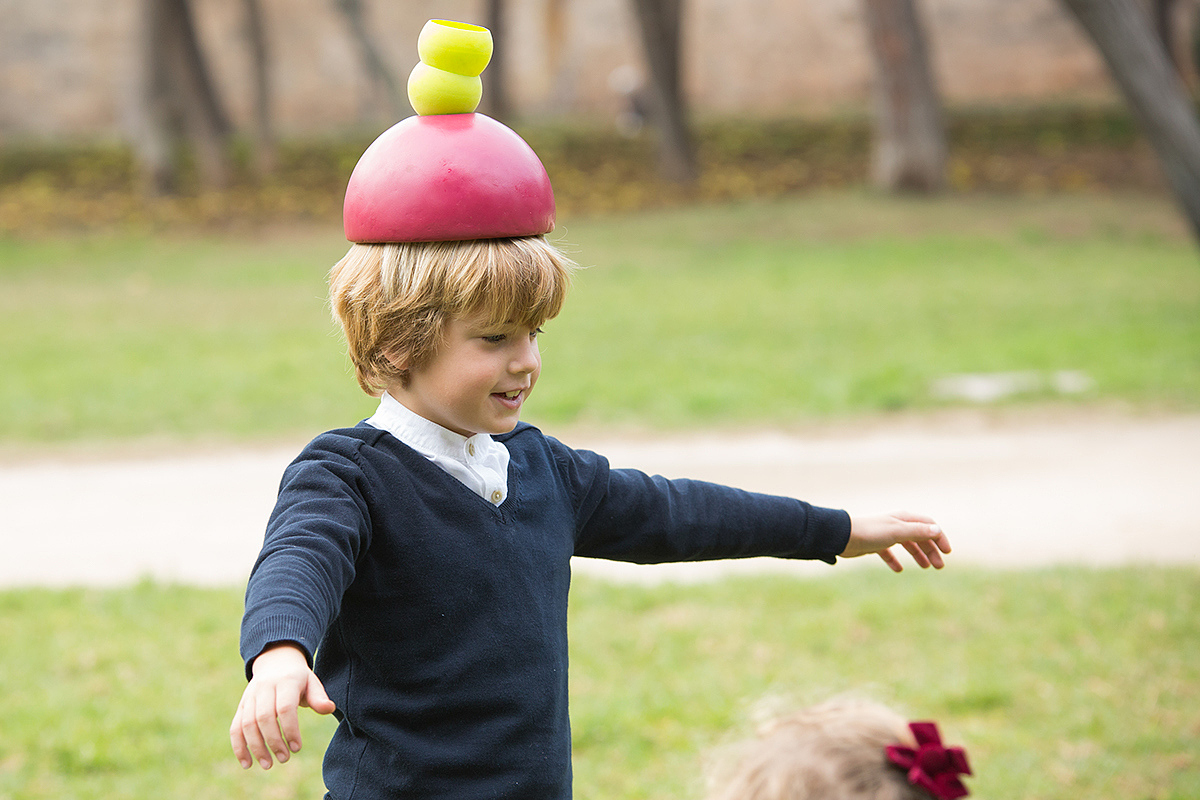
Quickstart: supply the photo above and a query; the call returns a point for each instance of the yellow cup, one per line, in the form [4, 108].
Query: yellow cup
[435, 91]
[457, 47]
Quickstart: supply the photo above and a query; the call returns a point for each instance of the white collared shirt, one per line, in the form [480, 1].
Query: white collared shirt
[479, 461]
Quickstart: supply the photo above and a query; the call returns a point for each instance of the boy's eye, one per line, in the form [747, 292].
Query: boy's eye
[500, 338]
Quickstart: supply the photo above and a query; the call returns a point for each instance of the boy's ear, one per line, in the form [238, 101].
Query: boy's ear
[397, 358]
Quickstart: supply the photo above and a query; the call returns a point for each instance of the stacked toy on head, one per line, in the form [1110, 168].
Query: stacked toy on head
[448, 173]
[446, 79]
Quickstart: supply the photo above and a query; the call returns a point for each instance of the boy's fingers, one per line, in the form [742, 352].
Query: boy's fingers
[918, 554]
[942, 542]
[933, 554]
[936, 545]
[890, 559]
[238, 740]
[287, 700]
[928, 542]
[316, 698]
[267, 716]
[251, 733]
[928, 553]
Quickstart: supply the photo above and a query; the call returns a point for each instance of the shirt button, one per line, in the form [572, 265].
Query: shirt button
[471, 449]
[497, 496]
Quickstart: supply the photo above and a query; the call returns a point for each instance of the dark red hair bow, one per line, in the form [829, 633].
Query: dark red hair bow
[931, 765]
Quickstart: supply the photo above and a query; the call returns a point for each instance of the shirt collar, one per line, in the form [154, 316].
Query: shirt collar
[427, 436]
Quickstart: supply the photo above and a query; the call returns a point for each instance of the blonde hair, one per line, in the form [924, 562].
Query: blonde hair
[832, 751]
[393, 300]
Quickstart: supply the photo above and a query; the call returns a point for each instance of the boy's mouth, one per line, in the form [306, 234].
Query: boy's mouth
[512, 398]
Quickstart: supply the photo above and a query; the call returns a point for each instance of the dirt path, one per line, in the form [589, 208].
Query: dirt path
[1093, 489]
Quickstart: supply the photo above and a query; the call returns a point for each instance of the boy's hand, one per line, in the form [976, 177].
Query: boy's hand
[918, 534]
[266, 721]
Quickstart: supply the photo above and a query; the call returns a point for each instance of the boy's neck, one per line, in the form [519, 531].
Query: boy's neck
[396, 408]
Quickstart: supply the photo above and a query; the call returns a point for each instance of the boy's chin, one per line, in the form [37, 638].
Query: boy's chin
[498, 427]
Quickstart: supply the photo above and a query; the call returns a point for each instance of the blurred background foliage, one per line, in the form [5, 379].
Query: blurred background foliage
[48, 188]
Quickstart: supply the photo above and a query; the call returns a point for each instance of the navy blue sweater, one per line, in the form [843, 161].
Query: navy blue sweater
[439, 621]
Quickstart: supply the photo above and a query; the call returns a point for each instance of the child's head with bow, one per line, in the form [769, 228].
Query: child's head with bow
[841, 750]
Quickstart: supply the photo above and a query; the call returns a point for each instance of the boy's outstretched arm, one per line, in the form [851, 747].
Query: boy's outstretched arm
[267, 721]
[918, 534]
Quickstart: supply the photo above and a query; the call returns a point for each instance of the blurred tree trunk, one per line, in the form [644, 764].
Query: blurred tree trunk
[909, 151]
[496, 103]
[1122, 31]
[1163, 11]
[660, 23]
[1164, 26]
[181, 102]
[265, 149]
[377, 69]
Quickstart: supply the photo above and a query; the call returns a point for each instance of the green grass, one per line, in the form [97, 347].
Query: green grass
[845, 304]
[135, 336]
[780, 312]
[1062, 683]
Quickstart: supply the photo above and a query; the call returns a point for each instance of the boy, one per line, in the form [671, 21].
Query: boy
[438, 594]
[414, 574]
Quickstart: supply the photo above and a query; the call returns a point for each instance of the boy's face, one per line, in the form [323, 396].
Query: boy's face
[477, 380]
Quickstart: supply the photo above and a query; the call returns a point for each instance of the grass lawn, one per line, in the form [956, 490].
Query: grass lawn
[1062, 683]
[759, 313]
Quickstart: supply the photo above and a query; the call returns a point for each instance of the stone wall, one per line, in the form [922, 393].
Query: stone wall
[70, 68]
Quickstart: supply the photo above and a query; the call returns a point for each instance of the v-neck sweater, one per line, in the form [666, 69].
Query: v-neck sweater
[438, 621]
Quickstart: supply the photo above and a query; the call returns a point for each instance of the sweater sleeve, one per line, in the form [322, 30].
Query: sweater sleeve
[319, 526]
[627, 515]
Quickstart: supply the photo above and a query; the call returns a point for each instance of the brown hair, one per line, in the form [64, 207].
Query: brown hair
[393, 300]
[832, 751]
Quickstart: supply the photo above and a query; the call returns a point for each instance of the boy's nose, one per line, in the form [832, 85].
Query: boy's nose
[527, 358]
